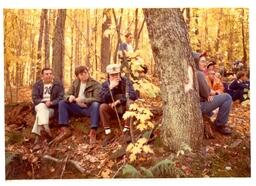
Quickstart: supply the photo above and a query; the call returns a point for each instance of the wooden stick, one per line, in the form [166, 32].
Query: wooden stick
[64, 166]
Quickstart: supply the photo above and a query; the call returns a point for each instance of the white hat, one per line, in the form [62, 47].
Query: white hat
[113, 68]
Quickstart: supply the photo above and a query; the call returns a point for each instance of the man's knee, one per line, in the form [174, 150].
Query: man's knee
[104, 107]
[41, 106]
[95, 105]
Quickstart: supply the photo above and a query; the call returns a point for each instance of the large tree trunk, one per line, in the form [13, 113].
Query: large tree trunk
[58, 45]
[182, 119]
[87, 61]
[217, 43]
[105, 41]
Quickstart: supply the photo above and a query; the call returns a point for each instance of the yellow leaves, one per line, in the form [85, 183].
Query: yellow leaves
[137, 148]
[142, 116]
[147, 149]
[106, 173]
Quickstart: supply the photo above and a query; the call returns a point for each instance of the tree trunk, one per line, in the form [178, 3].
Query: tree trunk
[118, 29]
[182, 119]
[87, 38]
[105, 40]
[39, 46]
[46, 38]
[95, 39]
[243, 40]
[217, 43]
[138, 35]
[58, 45]
[136, 28]
[230, 39]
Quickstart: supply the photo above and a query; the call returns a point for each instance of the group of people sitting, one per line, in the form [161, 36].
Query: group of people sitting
[86, 97]
[216, 95]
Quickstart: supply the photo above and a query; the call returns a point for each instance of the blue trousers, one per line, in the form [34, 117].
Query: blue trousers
[221, 101]
[67, 109]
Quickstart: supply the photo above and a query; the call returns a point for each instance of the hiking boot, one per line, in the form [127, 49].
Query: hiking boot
[108, 139]
[92, 136]
[127, 137]
[65, 132]
[224, 130]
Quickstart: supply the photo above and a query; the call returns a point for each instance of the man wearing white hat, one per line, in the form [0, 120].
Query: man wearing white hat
[113, 95]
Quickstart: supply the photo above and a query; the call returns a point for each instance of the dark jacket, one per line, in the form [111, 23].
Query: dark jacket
[91, 92]
[204, 89]
[118, 92]
[57, 92]
[235, 85]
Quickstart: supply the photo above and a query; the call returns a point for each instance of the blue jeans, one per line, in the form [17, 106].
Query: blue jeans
[66, 108]
[221, 101]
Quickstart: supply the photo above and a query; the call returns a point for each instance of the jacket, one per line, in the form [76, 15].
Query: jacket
[118, 92]
[57, 92]
[91, 92]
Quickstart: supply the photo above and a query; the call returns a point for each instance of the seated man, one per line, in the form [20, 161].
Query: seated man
[237, 87]
[113, 94]
[210, 102]
[214, 83]
[81, 100]
[46, 94]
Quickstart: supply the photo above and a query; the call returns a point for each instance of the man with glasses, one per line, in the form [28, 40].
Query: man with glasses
[82, 99]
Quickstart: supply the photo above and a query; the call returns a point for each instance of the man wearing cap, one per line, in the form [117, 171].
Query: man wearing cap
[82, 99]
[113, 94]
[209, 101]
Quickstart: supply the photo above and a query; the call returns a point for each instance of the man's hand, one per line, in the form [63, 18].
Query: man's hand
[48, 103]
[80, 102]
[112, 105]
[71, 98]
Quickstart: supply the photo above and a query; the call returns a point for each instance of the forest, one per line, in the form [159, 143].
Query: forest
[163, 145]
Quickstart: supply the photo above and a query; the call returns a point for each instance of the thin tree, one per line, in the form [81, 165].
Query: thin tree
[58, 45]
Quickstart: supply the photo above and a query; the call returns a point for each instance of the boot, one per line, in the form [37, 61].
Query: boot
[108, 139]
[65, 132]
[92, 136]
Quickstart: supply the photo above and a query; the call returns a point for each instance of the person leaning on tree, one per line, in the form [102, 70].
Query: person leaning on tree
[113, 95]
[82, 99]
[209, 101]
[46, 94]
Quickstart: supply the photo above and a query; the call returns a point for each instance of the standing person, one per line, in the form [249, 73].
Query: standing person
[210, 102]
[82, 99]
[126, 47]
[113, 94]
[46, 94]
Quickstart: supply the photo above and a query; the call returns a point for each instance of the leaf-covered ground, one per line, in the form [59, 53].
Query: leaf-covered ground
[223, 156]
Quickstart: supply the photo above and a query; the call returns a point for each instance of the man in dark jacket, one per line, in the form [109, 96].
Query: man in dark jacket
[113, 95]
[238, 86]
[46, 94]
[82, 99]
[209, 101]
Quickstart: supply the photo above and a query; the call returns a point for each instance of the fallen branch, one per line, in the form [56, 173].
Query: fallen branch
[73, 162]
[64, 166]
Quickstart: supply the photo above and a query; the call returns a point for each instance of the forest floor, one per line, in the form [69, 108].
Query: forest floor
[223, 156]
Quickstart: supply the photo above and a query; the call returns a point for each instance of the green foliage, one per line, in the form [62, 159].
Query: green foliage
[162, 169]
[129, 171]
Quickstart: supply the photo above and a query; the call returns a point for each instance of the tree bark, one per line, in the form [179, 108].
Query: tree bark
[87, 37]
[58, 45]
[105, 40]
[46, 38]
[39, 47]
[243, 40]
[118, 29]
[182, 119]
